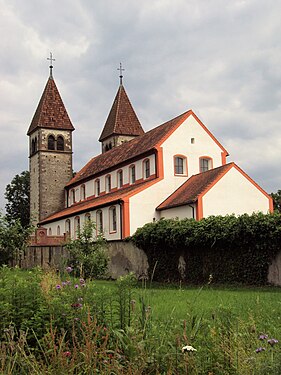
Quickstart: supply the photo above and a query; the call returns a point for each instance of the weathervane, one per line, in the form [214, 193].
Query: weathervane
[51, 66]
[121, 75]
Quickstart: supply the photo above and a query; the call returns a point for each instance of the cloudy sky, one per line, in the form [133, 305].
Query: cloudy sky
[220, 58]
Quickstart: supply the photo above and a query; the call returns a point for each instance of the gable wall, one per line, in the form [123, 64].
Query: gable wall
[234, 194]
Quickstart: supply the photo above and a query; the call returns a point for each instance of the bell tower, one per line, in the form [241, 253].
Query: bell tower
[50, 153]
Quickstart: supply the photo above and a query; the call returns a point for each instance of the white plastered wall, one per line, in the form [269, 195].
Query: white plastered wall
[105, 212]
[142, 205]
[181, 212]
[234, 194]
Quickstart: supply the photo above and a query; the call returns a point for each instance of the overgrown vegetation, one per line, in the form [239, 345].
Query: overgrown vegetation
[13, 240]
[88, 256]
[54, 324]
[231, 249]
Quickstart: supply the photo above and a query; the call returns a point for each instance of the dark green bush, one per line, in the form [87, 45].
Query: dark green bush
[231, 249]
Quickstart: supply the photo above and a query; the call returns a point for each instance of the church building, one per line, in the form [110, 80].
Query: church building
[177, 169]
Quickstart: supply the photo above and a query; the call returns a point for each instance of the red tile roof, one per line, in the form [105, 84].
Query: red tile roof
[189, 191]
[128, 150]
[122, 119]
[51, 112]
[94, 203]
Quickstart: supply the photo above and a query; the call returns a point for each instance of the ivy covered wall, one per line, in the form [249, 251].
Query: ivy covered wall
[231, 249]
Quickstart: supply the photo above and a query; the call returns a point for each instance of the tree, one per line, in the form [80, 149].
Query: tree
[276, 201]
[18, 197]
[88, 254]
[13, 239]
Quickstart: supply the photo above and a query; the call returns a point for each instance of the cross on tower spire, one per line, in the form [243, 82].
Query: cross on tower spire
[51, 59]
[121, 75]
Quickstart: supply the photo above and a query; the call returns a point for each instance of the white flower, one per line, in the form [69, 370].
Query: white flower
[188, 348]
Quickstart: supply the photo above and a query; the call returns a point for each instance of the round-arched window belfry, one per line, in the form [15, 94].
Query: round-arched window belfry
[60, 143]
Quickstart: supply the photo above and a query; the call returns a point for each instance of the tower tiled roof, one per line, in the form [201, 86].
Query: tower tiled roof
[196, 185]
[122, 119]
[51, 112]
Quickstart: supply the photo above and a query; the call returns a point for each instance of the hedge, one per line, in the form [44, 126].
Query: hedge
[231, 249]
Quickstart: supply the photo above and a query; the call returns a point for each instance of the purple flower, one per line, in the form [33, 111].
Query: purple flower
[69, 269]
[272, 342]
[76, 305]
[58, 286]
[258, 350]
[76, 286]
[63, 283]
[263, 337]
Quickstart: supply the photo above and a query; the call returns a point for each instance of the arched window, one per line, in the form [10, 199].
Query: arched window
[97, 187]
[60, 143]
[50, 232]
[87, 216]
[180, 165]
[51, 142]
[132, 174]
[146, 168]
[108, 183]
[112, 219]
[99, 222]
[82, 192]
[33, 145]
[205, 163]
[76, 226]
[120, 178]
[58, 230]
[67, 227]
[72, 196]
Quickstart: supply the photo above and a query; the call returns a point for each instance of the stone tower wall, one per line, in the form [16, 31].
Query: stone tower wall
[50, 170]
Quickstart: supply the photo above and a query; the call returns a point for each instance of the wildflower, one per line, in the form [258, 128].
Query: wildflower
[263, 337]
[80, 299]
[58, 286]
[260, 349]
[188, 348]
[69, 269]
[67, 354]
[272, 342]
[76, 286]
[76, 305]
[64, 283]
[82, 281]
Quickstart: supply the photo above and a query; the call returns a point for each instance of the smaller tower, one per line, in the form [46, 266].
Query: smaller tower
[50, 153]
[122, 123]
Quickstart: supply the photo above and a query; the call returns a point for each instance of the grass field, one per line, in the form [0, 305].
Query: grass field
[56, 324]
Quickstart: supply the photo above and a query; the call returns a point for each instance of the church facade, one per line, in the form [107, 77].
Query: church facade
[178, 169]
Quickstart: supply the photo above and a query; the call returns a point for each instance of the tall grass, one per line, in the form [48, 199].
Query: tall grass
[54, 324]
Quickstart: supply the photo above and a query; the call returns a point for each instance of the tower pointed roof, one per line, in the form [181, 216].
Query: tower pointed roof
[122, 119]
[51, 112]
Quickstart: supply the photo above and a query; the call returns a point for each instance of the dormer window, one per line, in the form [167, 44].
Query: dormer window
[51, 142]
